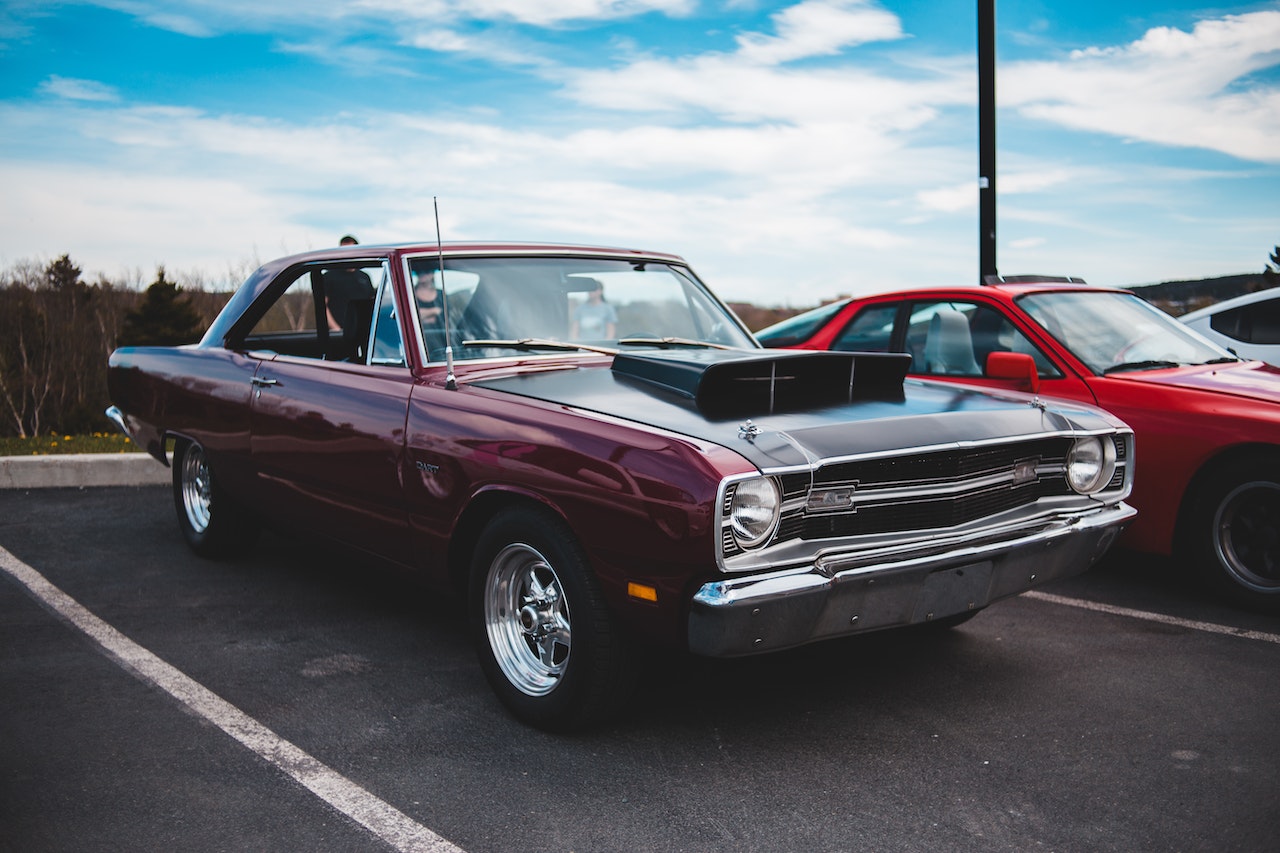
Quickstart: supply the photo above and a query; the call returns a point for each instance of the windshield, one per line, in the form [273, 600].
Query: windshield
[501, 305]
[800, 327]
[1112, 332]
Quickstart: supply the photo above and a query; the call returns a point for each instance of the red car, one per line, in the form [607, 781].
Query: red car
[1207, 424]
[593, 453]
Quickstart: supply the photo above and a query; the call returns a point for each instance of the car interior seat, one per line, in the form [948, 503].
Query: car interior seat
[949, 347]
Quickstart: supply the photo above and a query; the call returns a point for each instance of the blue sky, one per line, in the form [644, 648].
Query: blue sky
[791, 151]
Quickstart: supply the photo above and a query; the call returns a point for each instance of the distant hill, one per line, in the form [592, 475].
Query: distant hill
[756, 317]
[1179, 297]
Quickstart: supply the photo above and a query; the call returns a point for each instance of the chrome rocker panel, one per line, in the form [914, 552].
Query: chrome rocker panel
[778, 610]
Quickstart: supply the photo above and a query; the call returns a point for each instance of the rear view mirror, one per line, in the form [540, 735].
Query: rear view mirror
[1017, 366]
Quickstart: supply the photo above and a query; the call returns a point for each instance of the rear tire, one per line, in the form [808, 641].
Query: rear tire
[546, 642]
[213, 524]
[1234, 536]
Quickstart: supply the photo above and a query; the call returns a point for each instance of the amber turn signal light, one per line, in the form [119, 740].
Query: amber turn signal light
[642, 592]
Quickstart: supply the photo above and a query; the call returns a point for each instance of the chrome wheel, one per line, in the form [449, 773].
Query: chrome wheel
[197, 488]
[211, 521]
[1246, 529]
[526, 616]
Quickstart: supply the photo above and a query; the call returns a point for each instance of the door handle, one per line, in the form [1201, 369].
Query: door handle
[262, 383]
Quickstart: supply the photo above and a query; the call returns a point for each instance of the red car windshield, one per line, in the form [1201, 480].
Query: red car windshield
[1113, 332]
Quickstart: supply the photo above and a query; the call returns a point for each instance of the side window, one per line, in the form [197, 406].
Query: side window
[293, 311]
[288, 326]
[870, 331]
[954, 338]
[387, 344]
[323, 312]
[940, 340]
[1258, 323]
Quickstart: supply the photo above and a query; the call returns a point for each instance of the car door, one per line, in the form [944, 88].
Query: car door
[949, 338]
[327, 420]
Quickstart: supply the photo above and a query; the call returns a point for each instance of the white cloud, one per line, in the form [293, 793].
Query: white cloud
[183, 222]
[78, 90]
[958, 197]
[375, 174]
[550, 12]
[487, 47]
[820, 28]
[1174, 88]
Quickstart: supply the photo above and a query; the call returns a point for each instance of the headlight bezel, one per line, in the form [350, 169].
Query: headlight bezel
[1091, 463]
[759, 497]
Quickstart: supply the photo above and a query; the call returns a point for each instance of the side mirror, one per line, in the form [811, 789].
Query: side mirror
[1017, 366]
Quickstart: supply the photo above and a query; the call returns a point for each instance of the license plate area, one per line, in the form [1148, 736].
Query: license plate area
[948, 592]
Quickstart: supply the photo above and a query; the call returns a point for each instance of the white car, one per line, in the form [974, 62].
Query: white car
[1248, 325]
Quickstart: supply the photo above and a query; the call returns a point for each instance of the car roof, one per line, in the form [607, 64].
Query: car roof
[486, 247]
[1010, 288]
[1235, 302]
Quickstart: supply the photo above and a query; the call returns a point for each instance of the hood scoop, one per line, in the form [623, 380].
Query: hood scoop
[742, 383]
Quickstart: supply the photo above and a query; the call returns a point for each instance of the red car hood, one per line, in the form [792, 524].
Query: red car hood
[1255, 380]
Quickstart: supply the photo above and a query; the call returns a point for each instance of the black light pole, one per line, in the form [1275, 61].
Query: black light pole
[986, 139]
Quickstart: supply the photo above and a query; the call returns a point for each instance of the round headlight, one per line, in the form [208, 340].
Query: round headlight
[753, 511]
[1090, 464]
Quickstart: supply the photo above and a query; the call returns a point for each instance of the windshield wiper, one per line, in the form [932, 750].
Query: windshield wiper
[1224, 360]
[1151, 364]
[671, 342]
[540, 343]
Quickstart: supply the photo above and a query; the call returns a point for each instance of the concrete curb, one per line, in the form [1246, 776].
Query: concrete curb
[79, 470]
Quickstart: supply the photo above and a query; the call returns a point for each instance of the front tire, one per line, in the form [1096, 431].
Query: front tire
[1235, 532]
[546, 642]
[211, 522]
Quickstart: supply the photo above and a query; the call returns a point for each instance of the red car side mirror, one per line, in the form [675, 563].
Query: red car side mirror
[1017, 366]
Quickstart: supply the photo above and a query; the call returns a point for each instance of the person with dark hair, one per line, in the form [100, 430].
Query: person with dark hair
[342, 285]
[430, 300]
[594, 319]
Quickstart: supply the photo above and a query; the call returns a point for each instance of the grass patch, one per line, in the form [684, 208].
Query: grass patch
[42, 445]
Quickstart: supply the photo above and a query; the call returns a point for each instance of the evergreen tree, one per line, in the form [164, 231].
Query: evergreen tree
[1272, 272]
[165, 318]
[63, 275]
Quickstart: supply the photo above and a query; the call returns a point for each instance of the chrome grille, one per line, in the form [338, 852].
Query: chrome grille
[929, 513]
[948, 471]
[940, 466]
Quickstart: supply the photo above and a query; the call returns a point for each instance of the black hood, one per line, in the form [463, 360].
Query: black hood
[789, 408]
[732, 383]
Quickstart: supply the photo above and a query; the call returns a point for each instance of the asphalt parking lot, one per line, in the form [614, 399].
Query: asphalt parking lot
[303, 699]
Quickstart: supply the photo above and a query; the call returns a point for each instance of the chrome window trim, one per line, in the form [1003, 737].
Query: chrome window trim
[385, 291]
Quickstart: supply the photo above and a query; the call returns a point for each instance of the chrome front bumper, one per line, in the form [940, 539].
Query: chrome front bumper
[766, 612]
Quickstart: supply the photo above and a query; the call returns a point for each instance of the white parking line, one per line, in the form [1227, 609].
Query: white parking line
[383, 820]
[1209, 627]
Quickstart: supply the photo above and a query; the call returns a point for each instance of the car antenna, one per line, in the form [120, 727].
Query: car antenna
[450, 381]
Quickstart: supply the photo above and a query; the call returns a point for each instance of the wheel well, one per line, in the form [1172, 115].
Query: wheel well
[466, 533]
[1240, 454]
[169, 442]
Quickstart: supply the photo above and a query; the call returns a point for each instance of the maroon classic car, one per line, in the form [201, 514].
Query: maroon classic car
[594, 452]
